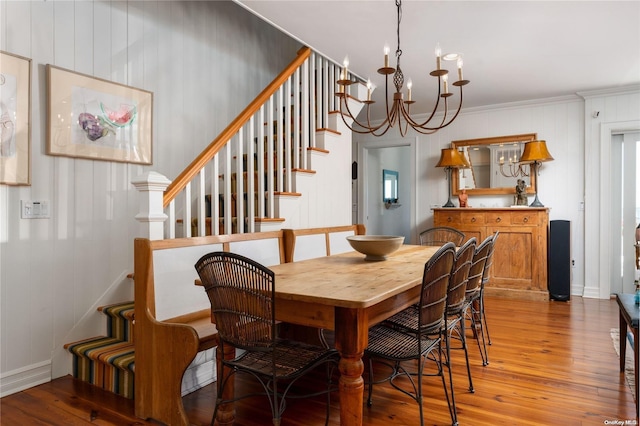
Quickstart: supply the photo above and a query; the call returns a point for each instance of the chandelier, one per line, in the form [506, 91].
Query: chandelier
[400, 109]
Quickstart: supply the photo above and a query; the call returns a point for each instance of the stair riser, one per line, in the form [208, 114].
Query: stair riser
[120, 321]
[108, 362]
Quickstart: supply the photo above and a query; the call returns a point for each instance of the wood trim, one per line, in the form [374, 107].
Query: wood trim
[313, 148]
[308, 171]
[212, 239]
[325, 129]
[205, 156]
[290, 194]
[290, 236]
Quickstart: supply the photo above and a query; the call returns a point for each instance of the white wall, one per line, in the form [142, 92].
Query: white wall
[575, 141]
[204, 62]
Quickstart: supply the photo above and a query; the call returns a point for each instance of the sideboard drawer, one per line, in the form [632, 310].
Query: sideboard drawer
[498, 218]
[475, 218]
[449, 219]
[524, 218]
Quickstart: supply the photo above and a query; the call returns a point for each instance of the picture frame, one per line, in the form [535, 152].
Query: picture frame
[93, 118]
[15, 119]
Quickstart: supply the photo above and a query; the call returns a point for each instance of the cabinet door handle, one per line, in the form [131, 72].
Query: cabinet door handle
[526, 219]
[449, 219]
[473, 219]
[498, 219]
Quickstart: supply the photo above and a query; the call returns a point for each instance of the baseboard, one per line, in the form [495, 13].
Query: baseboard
[25, 378]
[200, 373]
[591, 292]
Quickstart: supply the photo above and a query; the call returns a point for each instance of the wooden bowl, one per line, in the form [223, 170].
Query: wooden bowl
[375, 247]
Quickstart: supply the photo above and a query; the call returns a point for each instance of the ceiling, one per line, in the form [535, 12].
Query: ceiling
[513, 50]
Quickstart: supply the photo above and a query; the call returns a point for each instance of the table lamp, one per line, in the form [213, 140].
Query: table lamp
[450, 159]
[535, 153]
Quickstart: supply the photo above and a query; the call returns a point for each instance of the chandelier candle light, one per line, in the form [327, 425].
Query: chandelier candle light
[400, 108]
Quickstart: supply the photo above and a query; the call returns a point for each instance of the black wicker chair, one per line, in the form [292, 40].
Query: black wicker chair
[393, 346]
[242, 296]
[456, 305]
[474, 298]
[440, 235]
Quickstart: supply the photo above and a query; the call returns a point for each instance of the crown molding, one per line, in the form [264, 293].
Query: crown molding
[622, 90]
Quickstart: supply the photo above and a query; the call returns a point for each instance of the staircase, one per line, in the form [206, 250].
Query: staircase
[108, 361]
[271, 165]
[253, 170]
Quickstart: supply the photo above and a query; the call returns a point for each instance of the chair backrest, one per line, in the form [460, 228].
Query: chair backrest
[460, 275]
[440, 235]
[241, 292]
[486, 274]
[435, 283]
[477, 266]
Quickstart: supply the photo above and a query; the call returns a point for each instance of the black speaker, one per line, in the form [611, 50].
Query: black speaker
[559, 261]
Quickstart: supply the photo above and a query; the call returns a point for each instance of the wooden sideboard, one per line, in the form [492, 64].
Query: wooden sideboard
[520, 256]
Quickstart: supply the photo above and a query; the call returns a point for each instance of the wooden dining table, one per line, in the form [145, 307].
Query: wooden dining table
[347, 294]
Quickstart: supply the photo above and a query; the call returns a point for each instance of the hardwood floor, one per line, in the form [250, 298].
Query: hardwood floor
[551, 363]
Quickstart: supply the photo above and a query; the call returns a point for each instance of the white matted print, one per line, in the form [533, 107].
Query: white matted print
[15, 119]
[97, 119]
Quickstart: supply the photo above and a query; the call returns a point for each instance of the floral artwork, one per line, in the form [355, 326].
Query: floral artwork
[15, 129]
[108, 121]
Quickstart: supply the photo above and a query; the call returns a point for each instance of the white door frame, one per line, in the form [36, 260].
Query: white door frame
[607, 130]
[363, 196]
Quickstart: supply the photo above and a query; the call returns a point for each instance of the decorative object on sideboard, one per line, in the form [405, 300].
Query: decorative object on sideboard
[400, 109]
[463, 198]
[534, 154]
[521, 193]
[450, 159]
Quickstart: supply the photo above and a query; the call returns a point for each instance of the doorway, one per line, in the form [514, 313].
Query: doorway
[382, 218]
[625, 205]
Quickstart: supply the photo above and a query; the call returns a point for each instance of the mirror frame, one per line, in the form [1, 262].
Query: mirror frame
[526, 137]
[390, 175]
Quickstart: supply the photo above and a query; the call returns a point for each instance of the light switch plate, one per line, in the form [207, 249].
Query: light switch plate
[34, 209]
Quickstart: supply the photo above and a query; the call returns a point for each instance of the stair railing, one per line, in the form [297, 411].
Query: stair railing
[251, 161]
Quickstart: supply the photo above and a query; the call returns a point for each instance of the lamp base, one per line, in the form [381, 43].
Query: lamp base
[449, 204]
[536, 202]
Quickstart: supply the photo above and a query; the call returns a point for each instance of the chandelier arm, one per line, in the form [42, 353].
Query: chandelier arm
[368, 128]
[423, 125]
[443, 124]
[456, 114]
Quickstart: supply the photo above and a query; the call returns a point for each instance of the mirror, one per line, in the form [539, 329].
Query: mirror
[389, 186]
[494, 165]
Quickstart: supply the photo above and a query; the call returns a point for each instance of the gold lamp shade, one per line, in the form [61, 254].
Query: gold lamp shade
[450, 157]
[535, 152]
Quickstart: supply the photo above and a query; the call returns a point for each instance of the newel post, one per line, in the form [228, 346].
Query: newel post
[151, 186]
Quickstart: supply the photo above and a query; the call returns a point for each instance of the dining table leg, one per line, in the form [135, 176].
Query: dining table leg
[351, 330]
[226, 414]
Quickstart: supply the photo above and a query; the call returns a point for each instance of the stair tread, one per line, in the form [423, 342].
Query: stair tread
[124, 310]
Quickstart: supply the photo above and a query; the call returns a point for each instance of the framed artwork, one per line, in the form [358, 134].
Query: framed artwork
[15, 119]
[92, 118]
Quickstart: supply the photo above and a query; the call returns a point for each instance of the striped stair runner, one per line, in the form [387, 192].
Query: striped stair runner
[108, 361]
